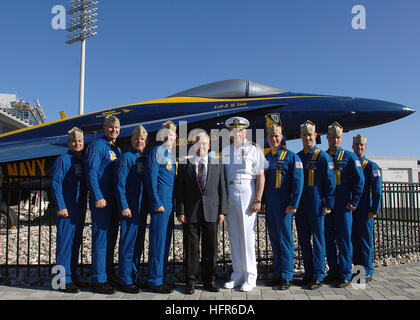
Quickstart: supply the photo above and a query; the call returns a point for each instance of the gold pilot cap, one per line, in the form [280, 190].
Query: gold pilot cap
[75, 134]
[112, 121]
[274, 128]
[359, 139]
[335, 129]
[237, 123]
[169, 125]
[140, 131]
[308, 127]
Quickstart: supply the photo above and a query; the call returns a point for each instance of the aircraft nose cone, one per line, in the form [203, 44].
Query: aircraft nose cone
[398, 111]
[409, 110]
[375, 112]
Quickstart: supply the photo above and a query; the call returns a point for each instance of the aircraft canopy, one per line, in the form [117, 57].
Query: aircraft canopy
[235, 88]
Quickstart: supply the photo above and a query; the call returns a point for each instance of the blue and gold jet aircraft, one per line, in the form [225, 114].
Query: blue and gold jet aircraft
[31, 151]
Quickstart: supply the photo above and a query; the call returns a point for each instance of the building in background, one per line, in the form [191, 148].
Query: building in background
[395, 169]
[17, 114]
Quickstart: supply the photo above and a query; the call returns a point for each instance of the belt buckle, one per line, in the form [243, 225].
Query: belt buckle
[232, 182]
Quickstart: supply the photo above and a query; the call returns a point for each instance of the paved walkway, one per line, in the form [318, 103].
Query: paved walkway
[389, 283]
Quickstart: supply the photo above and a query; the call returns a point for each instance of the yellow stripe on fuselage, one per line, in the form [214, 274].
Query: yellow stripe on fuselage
[162, 101]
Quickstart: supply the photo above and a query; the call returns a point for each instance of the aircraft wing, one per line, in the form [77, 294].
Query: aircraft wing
[33, 148]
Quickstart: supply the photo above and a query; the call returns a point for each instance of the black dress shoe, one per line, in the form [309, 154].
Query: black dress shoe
[170, 285]
[104, 288]
[211, 286]
[113, 283]
[190, 288]
[81, 284]
[330, 279]
[368, 279]
[163, 288]
[315, 284]
[284, 285]
[129, 288]
[272, 282]
[70, 288]
[141, 284]
[342, 283]
[302, 282]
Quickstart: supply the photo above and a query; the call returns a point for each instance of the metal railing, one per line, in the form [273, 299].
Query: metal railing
[27, 237]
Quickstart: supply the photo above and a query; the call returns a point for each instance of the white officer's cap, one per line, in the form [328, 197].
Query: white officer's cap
[359, 139]
[75, 134]
[308, 127]
[335, 129]
[237, 123]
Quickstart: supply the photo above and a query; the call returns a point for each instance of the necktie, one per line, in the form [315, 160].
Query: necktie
[201, 175]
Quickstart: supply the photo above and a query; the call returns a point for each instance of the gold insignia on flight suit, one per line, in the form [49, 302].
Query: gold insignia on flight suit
[112, 155]
[78, 170]
[169, 165]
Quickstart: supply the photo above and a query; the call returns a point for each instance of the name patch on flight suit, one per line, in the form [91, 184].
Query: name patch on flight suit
[311, 165]
[279, 164]
[78, 170]
[112, 155]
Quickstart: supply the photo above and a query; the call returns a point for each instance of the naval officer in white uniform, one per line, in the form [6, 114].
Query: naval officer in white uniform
[244, 169]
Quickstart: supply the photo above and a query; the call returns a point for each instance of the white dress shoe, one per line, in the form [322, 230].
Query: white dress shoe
[247, 287]
[231, 284]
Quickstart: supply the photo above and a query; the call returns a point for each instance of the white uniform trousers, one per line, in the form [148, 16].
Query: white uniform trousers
[241, 226]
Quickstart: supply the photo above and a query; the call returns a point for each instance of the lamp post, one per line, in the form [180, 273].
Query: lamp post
[82, 27]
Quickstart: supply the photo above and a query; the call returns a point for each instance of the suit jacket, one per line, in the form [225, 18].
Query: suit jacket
[192, 201]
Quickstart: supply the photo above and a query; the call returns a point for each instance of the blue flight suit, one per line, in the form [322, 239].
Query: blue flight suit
[283, 188]
[99, 163]
[349, 180]
[318, 192]
[159, 177]
[129, 187]
[362, 232]
[68, 188]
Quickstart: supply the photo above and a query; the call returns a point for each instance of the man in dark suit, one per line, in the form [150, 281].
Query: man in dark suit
[201, 206]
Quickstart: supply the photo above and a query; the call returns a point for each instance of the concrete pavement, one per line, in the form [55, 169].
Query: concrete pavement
[389, 283]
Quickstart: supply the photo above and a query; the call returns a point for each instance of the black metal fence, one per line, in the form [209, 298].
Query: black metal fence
[27, 234]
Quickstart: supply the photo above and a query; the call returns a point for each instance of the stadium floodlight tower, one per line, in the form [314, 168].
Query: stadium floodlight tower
[82, 26]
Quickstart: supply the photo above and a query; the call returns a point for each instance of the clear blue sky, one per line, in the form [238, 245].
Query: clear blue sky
[150, 49]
